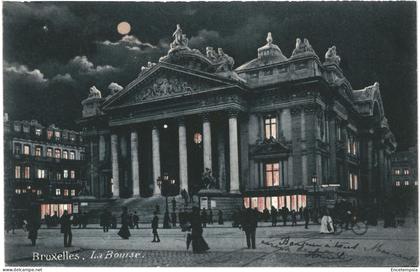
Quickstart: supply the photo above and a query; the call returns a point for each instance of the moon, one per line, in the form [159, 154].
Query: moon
[123, 28]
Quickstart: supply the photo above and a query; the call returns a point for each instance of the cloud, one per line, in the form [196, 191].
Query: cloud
[204, 38]
[115, 87]
[130, 42]
[86, 67]
[23, 72]
[66, 78]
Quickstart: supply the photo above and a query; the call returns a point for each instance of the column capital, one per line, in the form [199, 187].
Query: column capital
[205, 116]
[180, 120]
[295, 110]
[233, 113]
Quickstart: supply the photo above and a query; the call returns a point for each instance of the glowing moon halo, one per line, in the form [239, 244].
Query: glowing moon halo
[123, 28]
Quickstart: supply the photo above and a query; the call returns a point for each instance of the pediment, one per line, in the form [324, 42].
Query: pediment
[269, 148]
[164, 82]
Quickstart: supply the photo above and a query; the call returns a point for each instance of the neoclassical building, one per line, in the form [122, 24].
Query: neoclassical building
[272, 131]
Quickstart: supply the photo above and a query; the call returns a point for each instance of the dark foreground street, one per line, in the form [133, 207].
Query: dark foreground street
[276, 246]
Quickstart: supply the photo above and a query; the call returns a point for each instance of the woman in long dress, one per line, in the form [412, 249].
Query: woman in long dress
[199, 245]
[326, 223]
[125, 220]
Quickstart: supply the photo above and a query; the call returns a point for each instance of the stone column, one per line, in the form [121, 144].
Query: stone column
[102, 147]
[207, 142]
[156, 160]
[221, 158]
[135, 163]
[233, 153]
[183, 159]
[115, 169]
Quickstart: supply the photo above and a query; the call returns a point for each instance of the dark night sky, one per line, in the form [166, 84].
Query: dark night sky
[53, 52]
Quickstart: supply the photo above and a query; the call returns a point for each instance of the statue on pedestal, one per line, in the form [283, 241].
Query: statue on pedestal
[331, 56]
[207, 179]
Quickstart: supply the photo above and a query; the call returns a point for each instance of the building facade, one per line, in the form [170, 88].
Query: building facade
[275, 131]
[43, 166]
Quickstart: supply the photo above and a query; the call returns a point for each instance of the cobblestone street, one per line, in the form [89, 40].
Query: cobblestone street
[276, 246]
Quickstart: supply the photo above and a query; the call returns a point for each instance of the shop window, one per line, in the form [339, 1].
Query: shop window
[254, 202]
[57, 153]
[18, 171]
[72, 155]
[26, 150]
[261, 203]
[38, 151]
[270, 127]
[65, 154]
[49, 152]
[27, 172]
[268, 202]
[57, 192]
[271, 174]
[18, 148]
[275, 202]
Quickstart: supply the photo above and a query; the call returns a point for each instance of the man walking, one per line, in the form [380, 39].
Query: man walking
[306, 216]
[65, 222]
[249, 225]
[155, 224]
[136, 220]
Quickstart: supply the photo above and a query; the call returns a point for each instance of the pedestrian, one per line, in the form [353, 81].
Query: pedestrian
[301, 213]
[157, 209]
[85, 220]
[326, 223]
[266, 215]
[294, 218]
[184, 195]
[204, 217]
[66, 222]
[249, 226]
[102, 220]
[124, 232]
[135, 220]
[155, 225]
[199, 245]
[306, 216]
[284, 214]
[173, 204]
[210, 220]
[173, 218]
[113, 221]
[191, 194]
[33, 225]
[220, 217]
[273, 216]
[130, 220]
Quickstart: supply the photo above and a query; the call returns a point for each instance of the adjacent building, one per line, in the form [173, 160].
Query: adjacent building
[43, 165]
[275, 131]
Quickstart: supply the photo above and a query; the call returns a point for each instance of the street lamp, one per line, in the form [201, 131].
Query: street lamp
[315, 215]
[164, 184]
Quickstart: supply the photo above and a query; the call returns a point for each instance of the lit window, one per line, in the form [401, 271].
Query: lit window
[72, 155]
[39, 192]
[65, 135]
[26, 129]
[41, 173]
[416, 183]
[271, 174]
[18, 191]
[57, 135]
[66, 192]
[58, 176]
[27, 172]
[38, 132]
[49, 134]
[17, 127]
[49, 152]
[73, 192]
[72, 174]
[354, 148]
[57, 153]
[270, 127]
[72, 137]
[406, 183]
[406, 172]
[57, 192]
[65, 154]
[26, 150]
[353, 181]
[38, 151]
[17, 172]
[398, 183]
[18, 148]
[397, 171]
[65, 174]
[23, 191]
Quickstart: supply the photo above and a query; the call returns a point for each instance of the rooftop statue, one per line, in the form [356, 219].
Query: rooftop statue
[269, 38]
[302, 48]
[146, 68]
[180, 40]
[331, 56]
[211, 54]
[225, 61]
[94, 92]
